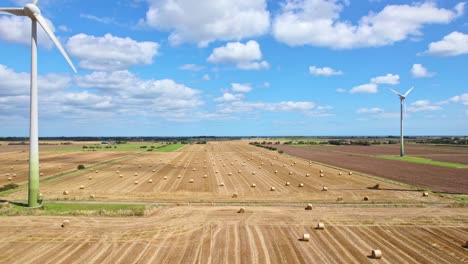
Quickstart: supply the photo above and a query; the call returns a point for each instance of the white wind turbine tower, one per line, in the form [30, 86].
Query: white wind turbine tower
[34, 13]
[402, 104]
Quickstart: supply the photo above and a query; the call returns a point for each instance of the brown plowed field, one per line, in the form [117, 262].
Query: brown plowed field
[435, 178]
[201, 234]
[229, 168]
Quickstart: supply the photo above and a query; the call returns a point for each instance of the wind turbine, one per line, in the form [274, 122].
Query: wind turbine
[34, 13]
[402, 104]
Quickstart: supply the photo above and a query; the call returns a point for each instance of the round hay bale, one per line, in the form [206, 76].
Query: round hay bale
[154, 170]
[239, 171]
[321, 175]
[321, 171]
[96, 171]
[136, 174]
[117, 172]
[340, 173]
[272, 164]
[9, 178]
[324, 188]
[234, 195]
[121, 176]
[376, 254]
[150, 181]
[305, 237]
[466, 244]
[307, 175]
[350, 173]
[41, 174]
[92, 196]
[308, 207]
[320, 226]
[216, 171]
[194, 169]
[191, 181]
[272, 189]
[81, 187]
[65, 223]
[253, 185]
[136, 182]
[241, 210]
[65, 192]
[290, 173]
[165, 177]
[253, 172]
[276, 171]
[339, 199]
[90, 177]
[14, 175]
[259, 167]
[179, 176]
[301, 185]
[205, 176]
[221, 184]
[425, 194]
[366, 198]
[229, 173]
[288, 183]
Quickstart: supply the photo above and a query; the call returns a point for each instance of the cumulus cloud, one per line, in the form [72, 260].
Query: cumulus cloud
[191, 67]
[453, 44]
[206, 21]
[318, 23]
[325, 71]
[17, 29]
[245, 56]
[369, 88]
[374, 110]
[341, 90]
[423, 106]
[109, 53]
[206, 77]
[419, 71]
[387, 79]
[463, 99]
[286, 106]
[241, 88]
[227, 97]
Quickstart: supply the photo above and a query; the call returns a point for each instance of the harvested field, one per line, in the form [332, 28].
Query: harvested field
[187, 234]
[435, 178]
[218, 171]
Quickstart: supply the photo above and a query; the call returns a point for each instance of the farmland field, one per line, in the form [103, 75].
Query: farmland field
[195, 192]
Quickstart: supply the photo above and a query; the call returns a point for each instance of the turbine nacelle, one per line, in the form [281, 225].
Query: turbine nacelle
[32, 11]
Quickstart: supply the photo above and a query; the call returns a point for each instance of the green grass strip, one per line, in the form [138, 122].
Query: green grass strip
[424, 161]
[170, 147]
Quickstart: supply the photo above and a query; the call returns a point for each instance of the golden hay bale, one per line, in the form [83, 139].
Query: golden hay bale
[96, 171]
[339, 173]
[366, 198]
[136, 182]
[339, 199]
[301, 185]
[321, 175]
[305, 237]
[276, 171]
[290, 173]
[65, 192]
[272, 189]
[466, 244]
[259, 167]
[350, 173]
[90, 177]
[41, 174]
[65, 223]
[324, 188]
[216, 171]
[425, 194]
[321, 171]
[253, 185]
[221, 184]
[284, 165]
[9, 178]
[376, 254]
[117, 172]
[272, 164]
[307, 175]
[165, 177]
[253, 172]
[92, 196]
[82, 187]
[241, 210]
[194, 169]
[320, 226]
[229, 173]
[136, 174]
[191, 181]
[205, 176]
[150, 181]
[239, 171]
[308, 207]
[121, 176]
[154, 170]
[288, 183]
[179, 176]
[234, 195]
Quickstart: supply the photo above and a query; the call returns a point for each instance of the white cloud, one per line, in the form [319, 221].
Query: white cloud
[227, 97]
[341, 90]
[109, 81]
[365, 88]
[453, 44]
[110, 53]
[317, 23]
[423, 106]
[325, 71]
[241, 88]
[206, 21]
[191, 67]
[287, 106]
[246, 56]
[460, 99]
[17, 29]
[419, 71]
[387, 79]
[374, 110]
[206, 77]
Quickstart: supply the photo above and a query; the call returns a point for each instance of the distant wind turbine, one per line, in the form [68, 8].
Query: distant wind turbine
[402, 105]
[34, 13]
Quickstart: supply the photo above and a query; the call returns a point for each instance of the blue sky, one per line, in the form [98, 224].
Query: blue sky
[247, 67]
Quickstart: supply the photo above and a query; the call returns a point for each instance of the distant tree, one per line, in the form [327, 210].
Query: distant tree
[81, 167]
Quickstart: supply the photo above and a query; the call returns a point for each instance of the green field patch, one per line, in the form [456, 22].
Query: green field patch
[424, 161]
[76, 209]
[132, 146]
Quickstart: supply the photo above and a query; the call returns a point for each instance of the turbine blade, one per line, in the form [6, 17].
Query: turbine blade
[51, 35]
[397, 93]
[12, 11]
[35, 2]
[408, 91]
